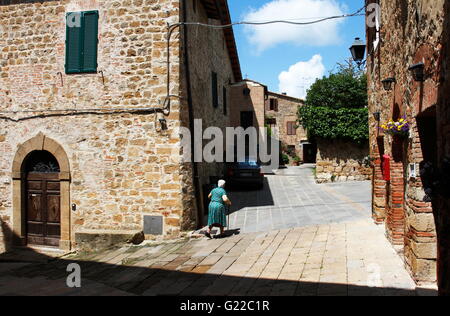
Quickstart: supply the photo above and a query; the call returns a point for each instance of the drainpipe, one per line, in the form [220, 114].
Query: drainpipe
[196, 179]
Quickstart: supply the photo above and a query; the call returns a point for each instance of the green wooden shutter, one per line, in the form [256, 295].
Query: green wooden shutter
[215, 95]
[82, 43]
[225, 103]
[73, 46]
[90, 41]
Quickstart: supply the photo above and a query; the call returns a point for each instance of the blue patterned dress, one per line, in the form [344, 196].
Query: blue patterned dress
[217, 209]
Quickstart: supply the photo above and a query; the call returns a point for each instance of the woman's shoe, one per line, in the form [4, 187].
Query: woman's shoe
[208, 235]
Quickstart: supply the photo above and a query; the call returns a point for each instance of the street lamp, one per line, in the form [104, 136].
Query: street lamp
[377, 116]
[418, 71]
[358, 50]
[387, 83]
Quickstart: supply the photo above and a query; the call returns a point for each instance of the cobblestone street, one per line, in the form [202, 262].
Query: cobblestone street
[330, 259]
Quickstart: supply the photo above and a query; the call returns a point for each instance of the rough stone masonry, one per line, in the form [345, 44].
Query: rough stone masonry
[413, 207]
[120, 166]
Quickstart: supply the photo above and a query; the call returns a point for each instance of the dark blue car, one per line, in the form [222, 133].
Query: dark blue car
[246, 173]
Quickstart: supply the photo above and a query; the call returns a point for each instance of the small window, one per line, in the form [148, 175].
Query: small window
[81, 42]
[215, 95]
[225, 99]
[273, 105]
[291, 128]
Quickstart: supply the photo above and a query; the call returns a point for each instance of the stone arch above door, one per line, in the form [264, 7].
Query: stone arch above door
[40, 143]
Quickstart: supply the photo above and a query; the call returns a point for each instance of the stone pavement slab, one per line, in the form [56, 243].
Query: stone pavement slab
[330, 259]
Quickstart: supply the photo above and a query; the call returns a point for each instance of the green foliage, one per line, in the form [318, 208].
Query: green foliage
[336, 106]
[285, 159]
[351, 124]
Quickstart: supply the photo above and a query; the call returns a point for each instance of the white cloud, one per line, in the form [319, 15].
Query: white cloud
[321, 34]
[299, 78]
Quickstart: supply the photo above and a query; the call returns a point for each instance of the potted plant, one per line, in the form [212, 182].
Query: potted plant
[297, 161]
[398, 128]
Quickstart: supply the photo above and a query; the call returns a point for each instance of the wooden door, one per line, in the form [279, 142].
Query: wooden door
[43, 209]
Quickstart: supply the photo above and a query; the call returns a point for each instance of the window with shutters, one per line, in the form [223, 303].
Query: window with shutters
[215, 94]
[81, 42]
[291, 130]
[225, 99]
[273, 105]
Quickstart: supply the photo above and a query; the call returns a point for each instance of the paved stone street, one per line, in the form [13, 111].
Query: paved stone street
[291, 198]
[297, 238]
[330, 259]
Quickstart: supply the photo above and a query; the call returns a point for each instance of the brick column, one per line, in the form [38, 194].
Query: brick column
[395, 222]
[379, 193]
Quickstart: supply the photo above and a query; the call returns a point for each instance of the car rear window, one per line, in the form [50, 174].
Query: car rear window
[251, 164]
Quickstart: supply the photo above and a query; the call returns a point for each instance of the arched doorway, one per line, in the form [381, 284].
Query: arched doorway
[42, 199]
[41, 194]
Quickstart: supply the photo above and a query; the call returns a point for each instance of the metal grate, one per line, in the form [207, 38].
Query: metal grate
[153, 225]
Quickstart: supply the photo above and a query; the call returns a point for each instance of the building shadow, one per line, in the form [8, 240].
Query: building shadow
[164, 278]
[441, 202]
[5, 236]
[244, 197]
[167, 281]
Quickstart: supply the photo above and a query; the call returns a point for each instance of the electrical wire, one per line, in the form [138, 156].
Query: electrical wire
[166, 104]
[288, 21]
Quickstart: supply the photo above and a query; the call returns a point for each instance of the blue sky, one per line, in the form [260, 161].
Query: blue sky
[265, 52]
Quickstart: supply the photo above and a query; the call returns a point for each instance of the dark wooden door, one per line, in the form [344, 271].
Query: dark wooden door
[43, 209]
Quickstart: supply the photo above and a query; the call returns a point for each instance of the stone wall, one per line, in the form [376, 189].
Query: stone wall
[287, 112]
[442, 209]
[411, 32]
[122, 165]
[339, 161]
[203, 61]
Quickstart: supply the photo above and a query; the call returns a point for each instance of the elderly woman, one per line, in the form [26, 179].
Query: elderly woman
[217, 211]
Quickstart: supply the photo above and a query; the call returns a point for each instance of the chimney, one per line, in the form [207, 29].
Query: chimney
[284, 93]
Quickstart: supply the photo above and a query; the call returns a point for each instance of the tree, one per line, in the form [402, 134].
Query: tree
[345, 89]
[336, 106]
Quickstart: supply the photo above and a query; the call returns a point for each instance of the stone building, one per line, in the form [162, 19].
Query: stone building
[409, 44]
[282, 113]
[253, 105]
[92, 99]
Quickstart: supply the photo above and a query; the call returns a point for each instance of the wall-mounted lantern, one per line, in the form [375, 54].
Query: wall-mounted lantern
[387, 83]
[163, 123]
[418, 71]
[358, 50]
[377, 116]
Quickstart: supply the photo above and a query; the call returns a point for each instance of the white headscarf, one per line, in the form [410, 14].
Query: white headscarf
[221, 184]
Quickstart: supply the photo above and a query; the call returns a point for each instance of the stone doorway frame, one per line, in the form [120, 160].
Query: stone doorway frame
[38, 143]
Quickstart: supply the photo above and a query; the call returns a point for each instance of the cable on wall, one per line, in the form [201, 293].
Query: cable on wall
[165, 108]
